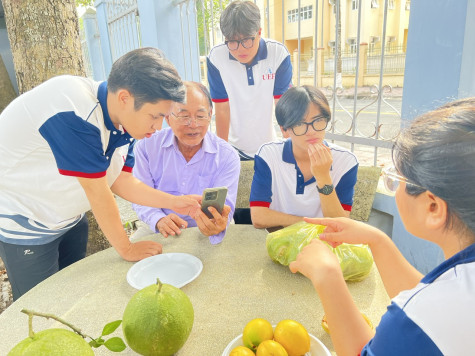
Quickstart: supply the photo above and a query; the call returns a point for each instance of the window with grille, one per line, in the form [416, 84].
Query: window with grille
[351, 45]
[391, 5]
[306, 13]
[331, 44]
[374, 4]
[354, 4]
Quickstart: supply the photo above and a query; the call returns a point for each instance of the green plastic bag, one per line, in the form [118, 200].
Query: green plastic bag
[284, 245]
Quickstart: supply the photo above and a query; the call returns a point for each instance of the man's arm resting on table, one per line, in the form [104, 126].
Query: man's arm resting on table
[223, 119]
[263, 217]
[106, 212]
[130, 188]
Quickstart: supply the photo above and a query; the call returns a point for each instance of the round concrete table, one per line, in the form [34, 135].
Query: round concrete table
[239, 282]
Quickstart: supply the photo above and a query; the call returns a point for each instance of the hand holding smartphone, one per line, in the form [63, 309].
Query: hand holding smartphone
[214, 197]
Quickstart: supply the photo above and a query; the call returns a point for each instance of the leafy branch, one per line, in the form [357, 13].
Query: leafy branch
[115, 344]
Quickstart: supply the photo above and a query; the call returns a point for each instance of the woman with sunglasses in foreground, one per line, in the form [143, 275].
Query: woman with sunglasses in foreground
[429, 315]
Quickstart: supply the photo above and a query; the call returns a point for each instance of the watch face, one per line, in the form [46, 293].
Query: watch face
[326, 190]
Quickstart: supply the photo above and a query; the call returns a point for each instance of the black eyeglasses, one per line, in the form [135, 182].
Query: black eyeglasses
[247, 42]
[319, 124]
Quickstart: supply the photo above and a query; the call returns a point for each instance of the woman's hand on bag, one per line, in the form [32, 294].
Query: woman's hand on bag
[345, 230]
[316, 262]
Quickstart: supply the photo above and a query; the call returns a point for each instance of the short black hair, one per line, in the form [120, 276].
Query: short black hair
[148, 76]
[293, 105]
[240, 18]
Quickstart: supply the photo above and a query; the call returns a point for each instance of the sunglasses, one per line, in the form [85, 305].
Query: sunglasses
[391, 179]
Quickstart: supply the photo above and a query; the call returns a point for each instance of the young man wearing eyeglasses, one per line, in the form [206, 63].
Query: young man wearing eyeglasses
[185, 159]
[246, 75]
[304, 175]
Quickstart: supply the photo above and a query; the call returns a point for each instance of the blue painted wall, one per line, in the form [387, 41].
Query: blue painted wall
[6, 53]
[440, 52]
[173, 29]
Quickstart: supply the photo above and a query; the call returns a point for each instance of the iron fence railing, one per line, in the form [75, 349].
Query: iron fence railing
[363, 126]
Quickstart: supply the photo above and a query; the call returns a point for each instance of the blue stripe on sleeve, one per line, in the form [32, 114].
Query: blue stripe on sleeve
[216, 85]
[398, 335]
[261, 188]
[283, 77]
[76, 144]
[130, 160]
[345, 188]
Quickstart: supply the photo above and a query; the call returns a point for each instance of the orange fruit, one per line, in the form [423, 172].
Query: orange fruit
[271, 348]
[293, 337]
[241, 351]
[255, 332]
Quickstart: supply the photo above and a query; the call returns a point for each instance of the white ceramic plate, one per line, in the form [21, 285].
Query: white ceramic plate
[316, 347]
[177, 269]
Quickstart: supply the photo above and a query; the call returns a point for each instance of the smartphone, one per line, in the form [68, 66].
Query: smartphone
[214, 197]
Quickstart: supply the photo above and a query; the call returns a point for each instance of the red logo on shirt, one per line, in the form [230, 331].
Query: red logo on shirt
[268, 76]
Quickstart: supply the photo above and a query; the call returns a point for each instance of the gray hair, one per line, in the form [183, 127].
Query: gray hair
[293, 105]
[202, 89]
[148, 76]
[437, 152]
[240, 18]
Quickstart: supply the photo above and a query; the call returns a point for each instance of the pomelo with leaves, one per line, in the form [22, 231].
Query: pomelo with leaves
[158, 320]
[63, 342]
[53, 342]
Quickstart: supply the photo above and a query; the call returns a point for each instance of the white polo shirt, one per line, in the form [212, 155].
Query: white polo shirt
[437, 317]
[250, 90]
[279, 184]
[50, 135]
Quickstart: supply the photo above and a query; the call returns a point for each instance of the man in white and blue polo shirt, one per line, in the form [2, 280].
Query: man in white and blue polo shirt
[66, 147]
[246, 74]
[304, 176]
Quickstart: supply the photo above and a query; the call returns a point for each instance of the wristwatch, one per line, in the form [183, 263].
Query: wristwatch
[327, 189]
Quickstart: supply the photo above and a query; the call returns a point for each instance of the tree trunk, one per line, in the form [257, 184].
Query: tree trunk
[7, 93]
[44, 38]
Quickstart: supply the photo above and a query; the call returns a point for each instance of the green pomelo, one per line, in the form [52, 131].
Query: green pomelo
[158, 320]
[52, 342]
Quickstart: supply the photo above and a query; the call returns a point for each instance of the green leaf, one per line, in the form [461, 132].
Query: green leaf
[110, 327]
[115, 344]
[94, 343]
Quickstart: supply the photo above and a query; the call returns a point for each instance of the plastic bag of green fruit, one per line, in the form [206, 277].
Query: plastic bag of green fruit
[284, 245]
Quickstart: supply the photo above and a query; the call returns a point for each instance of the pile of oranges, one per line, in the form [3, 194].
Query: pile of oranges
[289, 338]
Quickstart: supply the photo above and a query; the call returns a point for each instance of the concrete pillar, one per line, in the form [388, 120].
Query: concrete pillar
[320, 66]
[172, 27]
[440, 52]
[93, 44]
[101, 13]
[295, 65]
[362, 63]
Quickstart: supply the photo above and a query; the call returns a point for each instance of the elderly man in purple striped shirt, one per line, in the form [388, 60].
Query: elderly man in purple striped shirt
[184, 159]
